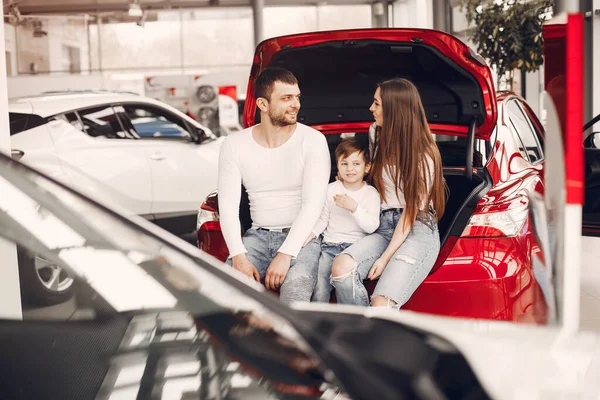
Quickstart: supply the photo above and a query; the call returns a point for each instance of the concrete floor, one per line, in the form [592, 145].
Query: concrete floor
[590, 285]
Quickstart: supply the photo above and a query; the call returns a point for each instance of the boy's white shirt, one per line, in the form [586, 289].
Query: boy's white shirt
[339, 225]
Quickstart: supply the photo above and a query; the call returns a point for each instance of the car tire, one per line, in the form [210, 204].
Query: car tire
[35, 274]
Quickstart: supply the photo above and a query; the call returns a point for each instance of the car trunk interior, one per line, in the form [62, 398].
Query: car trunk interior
[464, 192]
[338, 79]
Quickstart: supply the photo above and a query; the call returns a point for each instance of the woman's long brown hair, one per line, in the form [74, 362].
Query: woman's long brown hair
[402, 145]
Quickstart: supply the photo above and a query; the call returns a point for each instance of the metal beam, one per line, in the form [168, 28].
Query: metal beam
[63, 7]
[93, 7]
[257, 17]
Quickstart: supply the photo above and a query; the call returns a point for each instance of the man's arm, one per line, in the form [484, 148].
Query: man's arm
[323, 220]
[317, 167]
[230, 192]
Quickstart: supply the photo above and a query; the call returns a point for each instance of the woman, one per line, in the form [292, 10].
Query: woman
[407, 172]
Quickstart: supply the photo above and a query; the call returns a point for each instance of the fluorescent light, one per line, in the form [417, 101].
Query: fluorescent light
[135, 10]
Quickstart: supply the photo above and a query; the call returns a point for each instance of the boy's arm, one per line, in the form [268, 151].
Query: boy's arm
[367, 212]
[230, 192]
[314, 189]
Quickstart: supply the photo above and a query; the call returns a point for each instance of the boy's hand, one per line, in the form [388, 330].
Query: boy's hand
[346, 202]
[309, 238]
[242, 264]
[277, 271]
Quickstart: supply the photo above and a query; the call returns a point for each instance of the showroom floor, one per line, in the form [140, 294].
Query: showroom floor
[590, 285]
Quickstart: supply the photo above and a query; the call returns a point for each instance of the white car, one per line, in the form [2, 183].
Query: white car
[120, 148]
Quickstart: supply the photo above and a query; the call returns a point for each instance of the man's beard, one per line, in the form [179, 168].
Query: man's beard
[281, 120]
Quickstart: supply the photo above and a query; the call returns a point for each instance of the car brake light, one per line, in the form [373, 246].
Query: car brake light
[498, 220]
[208, 212]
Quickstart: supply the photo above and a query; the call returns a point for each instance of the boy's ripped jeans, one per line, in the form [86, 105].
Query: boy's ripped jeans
[407, 269]
[324, 287]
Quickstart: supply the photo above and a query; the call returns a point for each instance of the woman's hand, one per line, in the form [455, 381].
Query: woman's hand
[378, 267]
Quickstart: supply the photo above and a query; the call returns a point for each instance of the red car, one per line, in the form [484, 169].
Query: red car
[492, 148]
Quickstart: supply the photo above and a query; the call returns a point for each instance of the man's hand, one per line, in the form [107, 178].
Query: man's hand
[346, 202]
[309, 238]
[377, 268]
[277, 271]
[242, 264]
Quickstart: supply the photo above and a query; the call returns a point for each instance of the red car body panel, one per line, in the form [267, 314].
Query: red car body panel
[482, 273]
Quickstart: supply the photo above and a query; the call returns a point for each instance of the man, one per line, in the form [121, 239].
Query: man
[285, 168]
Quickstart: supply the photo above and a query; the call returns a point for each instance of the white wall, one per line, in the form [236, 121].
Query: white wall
[67, 33]
[412, 14]
[27, 85]
[32, 50]
[10, 297]
[10, 45]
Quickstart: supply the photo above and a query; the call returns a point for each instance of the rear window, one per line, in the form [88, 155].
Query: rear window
[23, 122]
[453, 150]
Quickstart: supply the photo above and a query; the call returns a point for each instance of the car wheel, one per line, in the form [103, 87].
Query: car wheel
[43, 283]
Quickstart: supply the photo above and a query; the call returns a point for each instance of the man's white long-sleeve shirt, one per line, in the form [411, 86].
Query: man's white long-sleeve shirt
[342, 226]
[286, 185]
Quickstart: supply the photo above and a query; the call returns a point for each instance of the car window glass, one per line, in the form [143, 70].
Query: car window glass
[522, 127]
[102, 122]
[537, 128]
[151, 123]
[125, 121]
[24, 122]
[72, 119]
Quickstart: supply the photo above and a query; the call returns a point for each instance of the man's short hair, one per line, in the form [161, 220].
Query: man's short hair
[350, 146]
[263, 86]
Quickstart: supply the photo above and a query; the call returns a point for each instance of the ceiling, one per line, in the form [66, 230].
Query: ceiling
[63, 7]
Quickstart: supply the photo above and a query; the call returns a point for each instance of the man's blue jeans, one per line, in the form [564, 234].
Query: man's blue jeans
[328, 253]
[299, 283]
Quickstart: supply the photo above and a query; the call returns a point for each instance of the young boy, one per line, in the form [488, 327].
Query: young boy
[351, 211]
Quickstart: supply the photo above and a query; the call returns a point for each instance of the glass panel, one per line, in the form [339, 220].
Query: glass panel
[151, 123]
[102, 122]
[524, 130]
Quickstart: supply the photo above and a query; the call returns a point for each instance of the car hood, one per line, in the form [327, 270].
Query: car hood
[338, 72]
[509, 360]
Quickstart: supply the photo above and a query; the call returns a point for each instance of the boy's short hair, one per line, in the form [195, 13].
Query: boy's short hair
[349, 146]
[263, 85]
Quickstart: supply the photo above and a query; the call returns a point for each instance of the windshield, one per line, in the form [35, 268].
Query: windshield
[171, 323]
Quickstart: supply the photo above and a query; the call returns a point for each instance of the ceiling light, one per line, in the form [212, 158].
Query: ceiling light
[135, 10]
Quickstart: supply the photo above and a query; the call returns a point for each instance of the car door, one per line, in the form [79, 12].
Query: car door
[183, 171]
[103, 159]
[591, 204]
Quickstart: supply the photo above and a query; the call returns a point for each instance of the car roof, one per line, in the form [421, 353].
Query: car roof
[48, 104]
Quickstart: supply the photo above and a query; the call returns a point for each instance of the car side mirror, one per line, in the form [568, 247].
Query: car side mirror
[592, 141]
[199, 135]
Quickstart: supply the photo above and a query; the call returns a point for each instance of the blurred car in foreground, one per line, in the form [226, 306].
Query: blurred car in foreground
[153, 317]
